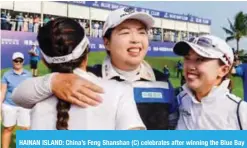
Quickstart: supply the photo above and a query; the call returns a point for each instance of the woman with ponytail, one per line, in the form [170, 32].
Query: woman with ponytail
[206, 101]
[65, 49]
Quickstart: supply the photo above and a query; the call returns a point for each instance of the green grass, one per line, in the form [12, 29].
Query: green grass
[156, 62]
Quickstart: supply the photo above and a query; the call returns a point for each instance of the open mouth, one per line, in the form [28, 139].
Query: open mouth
[134, 50]
[191, 75]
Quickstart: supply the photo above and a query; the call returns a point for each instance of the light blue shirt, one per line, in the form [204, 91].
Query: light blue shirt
[35, 58]
[12, 80]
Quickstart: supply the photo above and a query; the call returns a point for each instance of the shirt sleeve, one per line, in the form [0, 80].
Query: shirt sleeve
[243, 114]
[127, 114]
[32, 91]
[239, 71]
[4, 79]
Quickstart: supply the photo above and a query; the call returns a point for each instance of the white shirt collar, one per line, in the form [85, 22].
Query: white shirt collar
[215, 91]
[146, 71]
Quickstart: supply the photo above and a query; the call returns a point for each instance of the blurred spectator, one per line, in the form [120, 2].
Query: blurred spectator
[240, 69]
[36, 23]
[179, 67]
[84, 24]
[87, 27]
[30, 24]
[34, 58]
[95, 29]
[25, 25]
[4, 25]
[47, 19]
[20, 20]
[9, 21]
[12, 22]
[11, 113]
[100, 29]
[166, 72]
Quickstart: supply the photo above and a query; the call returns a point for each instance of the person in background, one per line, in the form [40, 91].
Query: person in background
[12, 22]
[11, 113]
[179, 67]
[20, 21]
[9, 21]
[30, 24]
[166, 72]
[47, 19]
[36, 24]
[34, 59]
[206, 102]
[240, 69]
[100, 29]
[4, 25]
[96, 29]
[25, 24]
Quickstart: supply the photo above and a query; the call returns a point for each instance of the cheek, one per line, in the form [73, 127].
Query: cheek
[209, 73]
[119, 44]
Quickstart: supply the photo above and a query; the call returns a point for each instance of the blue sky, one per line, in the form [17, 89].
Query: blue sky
[218, 12]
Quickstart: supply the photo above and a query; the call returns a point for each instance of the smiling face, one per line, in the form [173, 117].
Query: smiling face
[201, 73]
[128, 44]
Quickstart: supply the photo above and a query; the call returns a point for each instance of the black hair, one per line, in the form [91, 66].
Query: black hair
[227, 76]
[107, 36]
[57, 38]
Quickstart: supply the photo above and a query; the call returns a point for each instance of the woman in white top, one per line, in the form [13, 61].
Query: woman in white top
[206, 101]
[64, 47]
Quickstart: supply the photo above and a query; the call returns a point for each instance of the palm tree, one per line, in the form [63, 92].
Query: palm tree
[238, 29]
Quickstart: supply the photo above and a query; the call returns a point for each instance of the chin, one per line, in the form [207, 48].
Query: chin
[192, 85]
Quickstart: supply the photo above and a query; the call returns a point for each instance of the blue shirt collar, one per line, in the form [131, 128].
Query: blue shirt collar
[23, 72]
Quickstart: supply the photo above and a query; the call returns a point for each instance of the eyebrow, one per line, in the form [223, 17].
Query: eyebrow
[140, 28]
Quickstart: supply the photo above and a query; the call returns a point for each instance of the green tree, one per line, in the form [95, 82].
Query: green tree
[238, 29]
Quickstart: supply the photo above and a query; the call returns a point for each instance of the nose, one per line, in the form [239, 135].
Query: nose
[135, 38]
[190, 65]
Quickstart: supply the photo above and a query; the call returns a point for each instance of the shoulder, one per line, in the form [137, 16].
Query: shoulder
[232, 98]
[115, 90]
[7, 73]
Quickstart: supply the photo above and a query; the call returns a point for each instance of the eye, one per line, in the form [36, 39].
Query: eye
[186, 58]
[143, 32]
[124, 31]
[201, 60]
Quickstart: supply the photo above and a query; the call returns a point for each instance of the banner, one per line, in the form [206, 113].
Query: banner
[127, 139]
[161, 14]
[22, 41]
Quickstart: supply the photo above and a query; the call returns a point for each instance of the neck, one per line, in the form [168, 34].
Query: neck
[200, 94]
[206, 90]
[124, 67]
[127, 74]
[83, 67]
[18, 71]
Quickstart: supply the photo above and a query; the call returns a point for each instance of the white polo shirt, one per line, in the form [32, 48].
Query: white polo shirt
[216, 111]
[118, 110]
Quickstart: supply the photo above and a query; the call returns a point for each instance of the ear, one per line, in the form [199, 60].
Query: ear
[106, 43]
[223, 71]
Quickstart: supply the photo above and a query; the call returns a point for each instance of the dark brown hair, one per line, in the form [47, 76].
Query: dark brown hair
[227, 76]
[59, 37]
